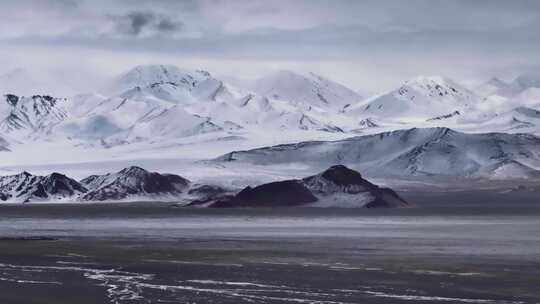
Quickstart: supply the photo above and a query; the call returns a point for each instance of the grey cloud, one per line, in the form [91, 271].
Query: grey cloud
[390, 35]
[138, 22]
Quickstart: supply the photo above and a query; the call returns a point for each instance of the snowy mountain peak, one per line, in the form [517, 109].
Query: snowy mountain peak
[143, 76]
[336, 178]
[427, 79]
[337, 183]
[309, 90]
[419, 99]
[133, 170]
[25, 187]
[132, 182]
[434, 85]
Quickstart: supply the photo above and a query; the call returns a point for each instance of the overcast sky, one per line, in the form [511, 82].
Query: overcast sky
[366, 45]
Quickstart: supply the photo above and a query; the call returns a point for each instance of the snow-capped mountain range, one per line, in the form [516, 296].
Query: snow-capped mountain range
[419, 99]
[157, 110]
[127, 184]
[337, 186]
[412, 152]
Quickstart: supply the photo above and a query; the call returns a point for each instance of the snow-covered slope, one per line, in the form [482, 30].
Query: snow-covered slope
[169, 83]
[306, 90]
[25, 187]
[173, 122]
[258, 112]
[413, 152]
[418, 100]
[131, 117]
[518, 120]
[31, 114]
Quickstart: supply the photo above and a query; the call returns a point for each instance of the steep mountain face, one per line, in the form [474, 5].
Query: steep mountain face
[25, 187]
[308, 90]
[133, 183]
[337, 186]
[417, 100]
[413, 152]
[31, 114]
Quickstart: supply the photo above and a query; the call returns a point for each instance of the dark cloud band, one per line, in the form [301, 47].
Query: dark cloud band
[140, 22]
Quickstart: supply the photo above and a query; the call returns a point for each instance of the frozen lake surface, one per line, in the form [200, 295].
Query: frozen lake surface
[155, 253]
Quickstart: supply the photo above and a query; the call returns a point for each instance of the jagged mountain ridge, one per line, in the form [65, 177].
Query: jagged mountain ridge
[413, 152]
[25, 187]
[337, 186]
[132, 182]
[155, 76]
[127, 184]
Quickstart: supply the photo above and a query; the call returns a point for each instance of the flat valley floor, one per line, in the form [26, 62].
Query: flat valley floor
[453, 248]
